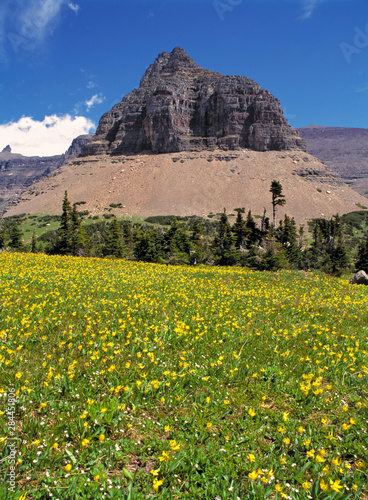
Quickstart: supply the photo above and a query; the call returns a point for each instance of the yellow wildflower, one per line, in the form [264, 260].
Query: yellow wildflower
[157, 483]
[174, 445]
[165, 457]
[323, 485]
[336, 486]
[253, 475]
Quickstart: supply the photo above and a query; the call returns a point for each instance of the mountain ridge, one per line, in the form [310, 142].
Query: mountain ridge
[180, 106]
[17, 172]
[343, 149]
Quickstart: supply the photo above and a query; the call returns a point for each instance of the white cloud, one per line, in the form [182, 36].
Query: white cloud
[74, 6]
[26, 24]
[38, 18]
[49, 137]
[95, 99]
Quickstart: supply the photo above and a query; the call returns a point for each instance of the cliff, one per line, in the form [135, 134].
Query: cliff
[180, 106]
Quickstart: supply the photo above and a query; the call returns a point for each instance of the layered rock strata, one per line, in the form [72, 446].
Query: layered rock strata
[180, 106]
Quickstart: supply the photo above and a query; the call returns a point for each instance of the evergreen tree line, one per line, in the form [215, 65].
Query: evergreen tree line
[262, 246]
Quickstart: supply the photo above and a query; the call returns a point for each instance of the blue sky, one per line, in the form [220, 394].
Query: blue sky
[63, 63]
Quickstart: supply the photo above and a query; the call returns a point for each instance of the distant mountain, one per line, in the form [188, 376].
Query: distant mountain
[179, 106]
[345, 150]
[18, 172]
[190, 141]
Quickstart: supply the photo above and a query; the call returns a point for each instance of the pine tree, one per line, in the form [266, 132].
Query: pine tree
[65, 244]
[253, 234]
[2, 237]
[148, 246]
[16, 241]
[223, 243]
[239, 229]
[278, 200]
[196, 231]
[78, 239]
[362, 262]
[113, 244]
[286, 233]
[34, 246]
[127, 232]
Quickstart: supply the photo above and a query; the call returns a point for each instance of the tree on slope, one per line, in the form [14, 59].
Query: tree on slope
[65, 243]
[113, 243]
[362, 262]
[78, 235]
[16, 242]
[278, 200]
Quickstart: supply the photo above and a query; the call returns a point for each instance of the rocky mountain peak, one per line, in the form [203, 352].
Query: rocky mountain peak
[7, 149]
[179, 106]
[169, 65]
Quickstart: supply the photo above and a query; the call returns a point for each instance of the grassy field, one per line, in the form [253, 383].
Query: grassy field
[135, 381]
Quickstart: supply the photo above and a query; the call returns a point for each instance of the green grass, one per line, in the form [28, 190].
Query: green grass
[145, 381]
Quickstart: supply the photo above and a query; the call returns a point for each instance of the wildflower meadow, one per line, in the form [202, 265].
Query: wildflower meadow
[130, 380]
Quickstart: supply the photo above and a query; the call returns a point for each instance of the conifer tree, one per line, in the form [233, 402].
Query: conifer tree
[196, 231]
[278, 200]
[2, 237]
[16, 241]
[127, 232]
[362, 262]
[113, 244]
[34, 246]
[65, 244]
[78, 233]
[223, 234]
[253, 234]
[148, 247]
[239, 229]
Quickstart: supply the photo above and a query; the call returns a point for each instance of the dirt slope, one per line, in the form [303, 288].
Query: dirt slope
[194, 184]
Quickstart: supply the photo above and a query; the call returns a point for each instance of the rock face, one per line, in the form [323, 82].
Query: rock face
[18, 172]
[359, 278]
[180, 106]
[76, 146]
[344, 150]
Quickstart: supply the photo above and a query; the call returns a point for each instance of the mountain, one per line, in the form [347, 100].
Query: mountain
[190, 141]
[18, 172]
[345, 150]
[180, 106]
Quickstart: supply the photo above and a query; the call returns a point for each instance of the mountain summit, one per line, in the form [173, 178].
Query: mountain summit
[179, 106]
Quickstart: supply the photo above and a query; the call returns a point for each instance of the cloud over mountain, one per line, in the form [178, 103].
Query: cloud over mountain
[49, 137]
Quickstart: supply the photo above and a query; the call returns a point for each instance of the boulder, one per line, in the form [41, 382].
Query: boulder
[360, 278]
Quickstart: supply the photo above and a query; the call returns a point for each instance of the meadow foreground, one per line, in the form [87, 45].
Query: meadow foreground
[137, 381]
